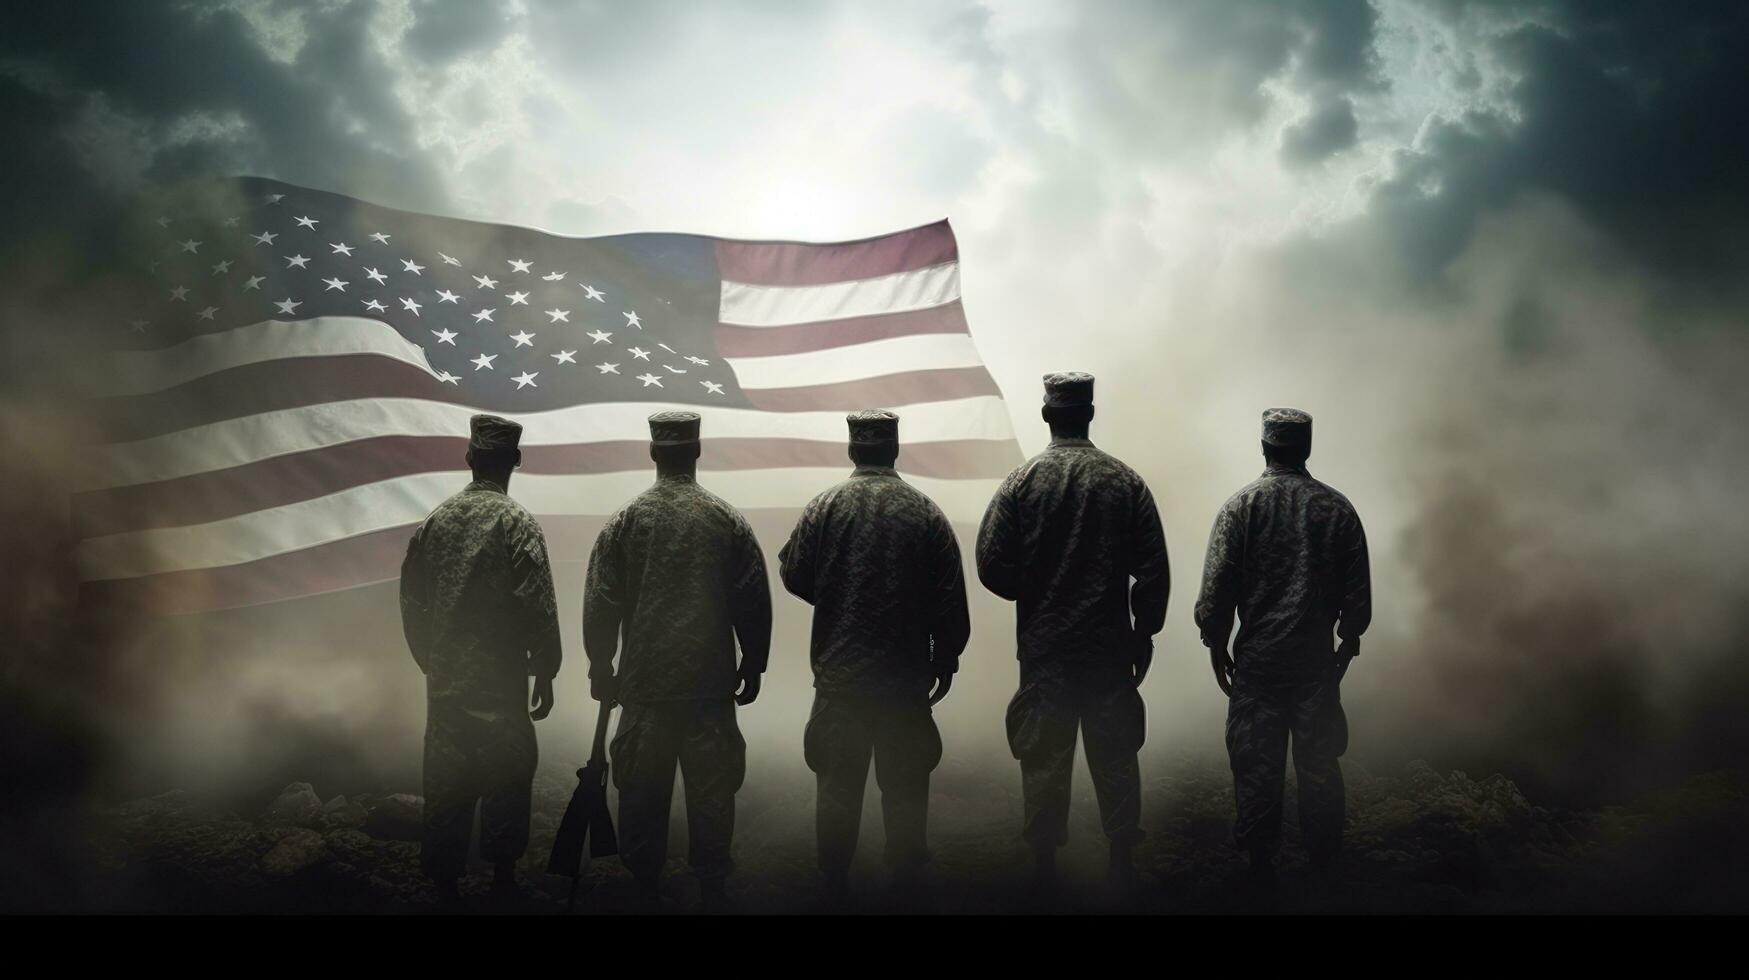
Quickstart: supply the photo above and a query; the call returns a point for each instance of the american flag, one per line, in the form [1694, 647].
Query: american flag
[296, 372]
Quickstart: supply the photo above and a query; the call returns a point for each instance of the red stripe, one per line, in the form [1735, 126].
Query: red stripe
[205, 497]
[799, 338]
[796, 264]
[886, 391]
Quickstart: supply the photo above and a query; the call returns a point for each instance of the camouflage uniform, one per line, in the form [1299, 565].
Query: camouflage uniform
[1063, 537]
[879, 563]
[675, 578]
[478, 611]
[1288, 555]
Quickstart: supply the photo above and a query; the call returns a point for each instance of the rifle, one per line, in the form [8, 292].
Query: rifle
[586, 816]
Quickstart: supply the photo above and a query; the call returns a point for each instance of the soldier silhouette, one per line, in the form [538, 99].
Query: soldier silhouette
[674, 580]
[478, 613]
[1064, 537]
[879, 563]
[1288, 555]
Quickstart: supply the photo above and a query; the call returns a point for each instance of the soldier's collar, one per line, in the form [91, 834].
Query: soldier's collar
[1076, 441]
[1277, 469]
[492, 485]
[676, 477]
[870, 469]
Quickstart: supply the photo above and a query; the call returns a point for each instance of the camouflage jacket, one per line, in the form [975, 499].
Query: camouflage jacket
[675, 578]
[1063, 537]
[879, 563]
[477, 600]
[1288, 554]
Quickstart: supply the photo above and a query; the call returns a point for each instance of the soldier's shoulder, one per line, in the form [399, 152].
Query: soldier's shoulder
[1336, 497]
[723, 507]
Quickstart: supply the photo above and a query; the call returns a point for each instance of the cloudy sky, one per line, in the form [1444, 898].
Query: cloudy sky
[1499, 250]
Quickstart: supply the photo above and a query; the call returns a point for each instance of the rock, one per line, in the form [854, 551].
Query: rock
[341, 813]
[295, 852]
[297, 805]
[396, 817]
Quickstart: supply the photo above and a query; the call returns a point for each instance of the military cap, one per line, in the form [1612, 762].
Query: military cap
[1287, 427]
[673, 428]
[489, 433]
[1067, 389]
[873, 426]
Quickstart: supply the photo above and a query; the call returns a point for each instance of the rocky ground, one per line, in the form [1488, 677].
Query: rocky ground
[1419, 841]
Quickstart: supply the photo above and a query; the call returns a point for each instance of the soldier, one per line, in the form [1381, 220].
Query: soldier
[1287, 553]
[878, 562]
[675, 579]
[477, 608]
[1063, 537]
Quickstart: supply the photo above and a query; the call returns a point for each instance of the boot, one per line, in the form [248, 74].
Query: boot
[1123, 870]
[713, 896]
[1044, 876]
[837, 891]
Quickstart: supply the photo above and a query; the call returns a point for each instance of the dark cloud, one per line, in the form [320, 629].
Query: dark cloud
[1320, 134]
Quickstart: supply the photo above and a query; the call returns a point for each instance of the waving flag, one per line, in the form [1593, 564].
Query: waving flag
[293, 388]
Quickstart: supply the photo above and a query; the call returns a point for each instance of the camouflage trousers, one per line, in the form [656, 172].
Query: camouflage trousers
[1261, 719]
[1055, 701]
[843, 735]
[702, 739]
[484, 758]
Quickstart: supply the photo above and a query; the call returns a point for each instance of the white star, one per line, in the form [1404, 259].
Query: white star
[336, 283]
[607, 368]
[275, 198]
[668, 348]
[598, 336]
[594, 294]
[296, 260]
[371, 304]
[207, 314]
[308, 222]
[192, 246]
[553, 276]
[413, 267]
[341, 248]
[224, 266]
[449, 259]
[445, 296]
[632, 320]
[650, 379]
[138, 326]
[712, 387]
[445, 336]
[671, 369]
[289, 305]
[370, 273]
[378, 236]
[519, 265]
[565, 357]
[163, 222]
[448, 378]
[526, 379]
[231, 222]
[485, 316]
[559, 315]
[485, 282]
[701, 362]
[254, 283]
[485, 361]
[408, 304]
[179, 293]
[516, 298]
[523, 339]
[642, 355]
[265, 238]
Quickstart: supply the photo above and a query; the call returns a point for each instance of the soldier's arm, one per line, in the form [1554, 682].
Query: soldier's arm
[795, 563]
[416, 600]
[531, 582]
[999, 563]
[752, 604]
[1220, 580]
[951, 626]
[1152, 573]
[1356, 613]
[603, 601]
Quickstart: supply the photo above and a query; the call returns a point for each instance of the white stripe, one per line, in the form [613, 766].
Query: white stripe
[776, 306]
[138, 372]
[408, 499]
[892, 355]
[234, 442]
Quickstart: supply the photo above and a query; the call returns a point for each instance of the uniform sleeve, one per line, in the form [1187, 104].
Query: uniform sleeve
[1152, 573]
[604, 600]
[796, 562]
[1220, 579]
[416, 600]
[1356, 582]
[531, 585]
[999, 561]
[752, 602]
[950, 623]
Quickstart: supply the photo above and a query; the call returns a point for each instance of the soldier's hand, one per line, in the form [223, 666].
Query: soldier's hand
[943, 683]
[542, 701]
[1144, 657]
[749, 688]
[1223, 665]
[604, 688]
